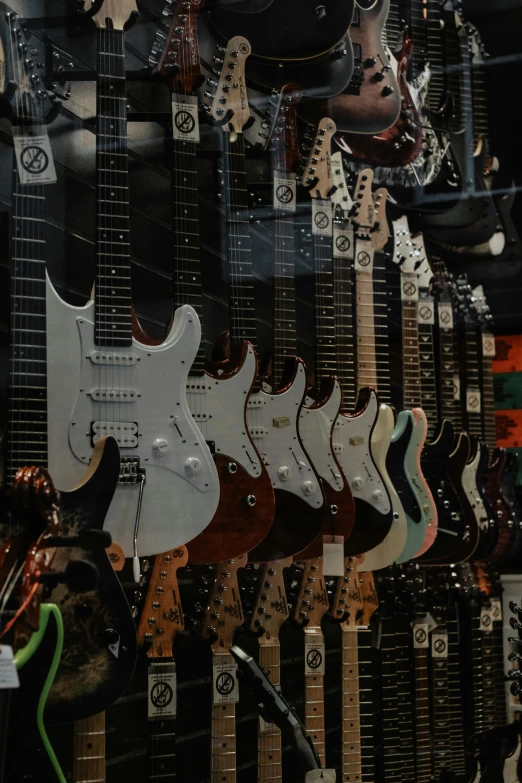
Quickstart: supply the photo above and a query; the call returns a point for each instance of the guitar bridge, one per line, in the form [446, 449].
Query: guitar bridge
[130, 470]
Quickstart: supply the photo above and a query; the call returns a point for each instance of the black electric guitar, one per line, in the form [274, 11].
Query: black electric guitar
[99, 639]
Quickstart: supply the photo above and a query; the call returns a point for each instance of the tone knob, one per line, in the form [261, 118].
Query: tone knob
[370, 62]
[377, 495]
[160, 447]
[308, 488]
[284, 472]
[357, 483]
[387, 90]
[378, 77]
[192, 466]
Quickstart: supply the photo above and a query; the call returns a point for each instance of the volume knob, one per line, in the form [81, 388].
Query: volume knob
[284, 472]
[308, 488]
[192, 466]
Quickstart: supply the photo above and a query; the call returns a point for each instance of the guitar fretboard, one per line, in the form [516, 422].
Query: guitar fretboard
[434, 54]
[366, 353]
[423, 766]
[488, 403]
[89, 749]
[285, 344]
[419, 32]
[456, 721]
[390, 712]
[269, 752]
[410, 352]
[325, 339]
[382, 341]
[113, 275]
[351, 724]
[223, 765]
[162, 739]
[344, 330]
[441, 715]
[428, 378]
[404, 700]
[450, 392]
[473, 417]
[314, 702]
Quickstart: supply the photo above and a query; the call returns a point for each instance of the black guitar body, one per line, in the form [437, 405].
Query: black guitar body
[371, 528]
[451, 527]
[488, 538]
[91, 676]
[25, 759]
[395, 467]
[508, 486]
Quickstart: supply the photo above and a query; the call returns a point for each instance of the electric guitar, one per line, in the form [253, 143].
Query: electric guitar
[217, 398]
[272, 415]
[99, 653]
[168, 488]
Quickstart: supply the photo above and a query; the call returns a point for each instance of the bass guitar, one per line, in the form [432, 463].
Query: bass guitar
[168, 487]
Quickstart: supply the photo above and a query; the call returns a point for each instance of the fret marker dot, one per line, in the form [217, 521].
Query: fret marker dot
[113, 271]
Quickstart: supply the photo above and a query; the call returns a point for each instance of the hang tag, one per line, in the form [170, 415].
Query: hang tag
[314, 656]
[488, 345]
[364, 256]
[8, 674]
[426, 311]
[445, 316]
[333, 555]
[409, 287]
[185, 121]
[473, 400]
[421, 637]
[285, 193]
[322, 217]
[456, 387]
[439, 645]
[486, 620]
[162, 697]
[226, 690]
[343, 243]
[34, 159]
[496, 610]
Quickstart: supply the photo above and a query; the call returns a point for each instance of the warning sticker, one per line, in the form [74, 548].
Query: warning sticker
[445, 316]
[473, 400]
[364, 257]
[321, 217]
[409, 287]
[34, 159]
[162, 691]
[426, 311]
[486, 620]
[226, 690]
[185, 123]
[439, 645]
[343, 244]
[285, 193]
[488, 345]
[496, 609]
[314, 657]
[421, 636]
[8, 674]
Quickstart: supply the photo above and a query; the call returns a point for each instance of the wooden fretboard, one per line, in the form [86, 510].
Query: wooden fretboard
[344, 330]
[365, 316]
[113, 326]
[325, 338]
[269, 752]
[488, 399]
[390, 712]
[423, 765]
[441, 715]
[382, 340]
[410, 349]
[89, 750]
[314, 702]
[473, 418]
[223, 764]
[456, 720]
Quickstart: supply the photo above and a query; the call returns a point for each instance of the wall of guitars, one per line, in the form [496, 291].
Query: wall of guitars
[272, 551]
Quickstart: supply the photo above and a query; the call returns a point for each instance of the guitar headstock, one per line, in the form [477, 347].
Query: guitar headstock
[283, 138]
[347, 603]
[317, 175]
[312, 600]
[403, 248]
[177, 51]
[224, 613]
[271, 608]
[342, 201]
[231, 93]
[364, 210]
[162, 615]
[381, 233]
[115, 14]
[423, 268]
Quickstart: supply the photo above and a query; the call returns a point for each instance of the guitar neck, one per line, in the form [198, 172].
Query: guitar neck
[269, 752]
[223, 764]
[488, 399]
[434, 53]
[419, 31]
[89, 749]
[27, 422]
[410, 346]
[325, 339]
[456, 721]
[423, 766]
[344, 328]
[404, 701]
[428, 377]
[241, 282]
[314, 701]
[441, 716]
[391, 730]
[351, 721]
[473, 391]
[366, 353]
[162, 734]
[450, 391]
[382, 340]
[284, 335]
[113, 324]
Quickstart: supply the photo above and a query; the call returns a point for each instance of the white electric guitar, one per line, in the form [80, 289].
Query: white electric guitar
[104, 382]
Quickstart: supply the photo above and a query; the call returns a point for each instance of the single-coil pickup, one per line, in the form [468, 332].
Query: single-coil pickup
[125, 432]
[197, 387]
[338, 448]
[114, 395]
[257, 432]
[112, 359]
[255, 402]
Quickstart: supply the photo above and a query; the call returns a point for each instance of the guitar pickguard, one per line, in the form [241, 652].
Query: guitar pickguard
[316, 426]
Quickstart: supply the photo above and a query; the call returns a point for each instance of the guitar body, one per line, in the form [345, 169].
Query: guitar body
[366, 105]
[420, 485]
[471, 479]
[354, 448]
[506, 526]
[273, 422]
[181, 490]
[456, 467]
[387, 552]
[99, 650]
[509, 480]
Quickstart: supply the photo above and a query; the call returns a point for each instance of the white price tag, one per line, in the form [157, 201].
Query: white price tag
[314, 656]
[473, 400]
[445, 316]
[488, 345]
[162, 691]
[421, 636]
[285, 193]
[333, 555]
[34, 159]
[486, 620]
[364, 256]
[226, 689]
[426, 311]
[343, 244]
[456, 387]
[496, 609]
[322, 217]
[185, 122]
[8, 674]
[439, 645]
[409, 287]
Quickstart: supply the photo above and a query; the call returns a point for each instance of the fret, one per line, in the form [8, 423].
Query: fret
[89, 749]
[269, 750]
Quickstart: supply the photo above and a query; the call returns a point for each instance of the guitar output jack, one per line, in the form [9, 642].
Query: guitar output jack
[251, 500]
[334, 509]
[232, 468]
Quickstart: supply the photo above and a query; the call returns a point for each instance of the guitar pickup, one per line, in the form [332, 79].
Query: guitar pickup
[114, 395]
[124, 432]
[113, 358]
[338, 448]
[258, 432]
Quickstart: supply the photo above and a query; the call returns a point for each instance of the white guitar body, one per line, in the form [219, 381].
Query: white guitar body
[137, 394]
[424, 496]
[316, 425]
[219, 412]
[388, 550]
[273, 423]
[469, 483]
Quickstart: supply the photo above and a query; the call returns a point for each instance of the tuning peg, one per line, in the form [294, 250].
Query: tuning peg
[514, 656]
[514, 674]
[515, 608]
[515, 624]
[515, 688]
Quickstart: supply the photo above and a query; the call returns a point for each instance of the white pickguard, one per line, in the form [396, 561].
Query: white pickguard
[390, 549]
[469, 483]
[180, 497]
[316, 428]
[219, 412]
[273, 421]
[351, 439]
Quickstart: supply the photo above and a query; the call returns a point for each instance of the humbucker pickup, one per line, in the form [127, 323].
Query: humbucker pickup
[124, 432]
[114, 395]
[113, 359]
[197, 386]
